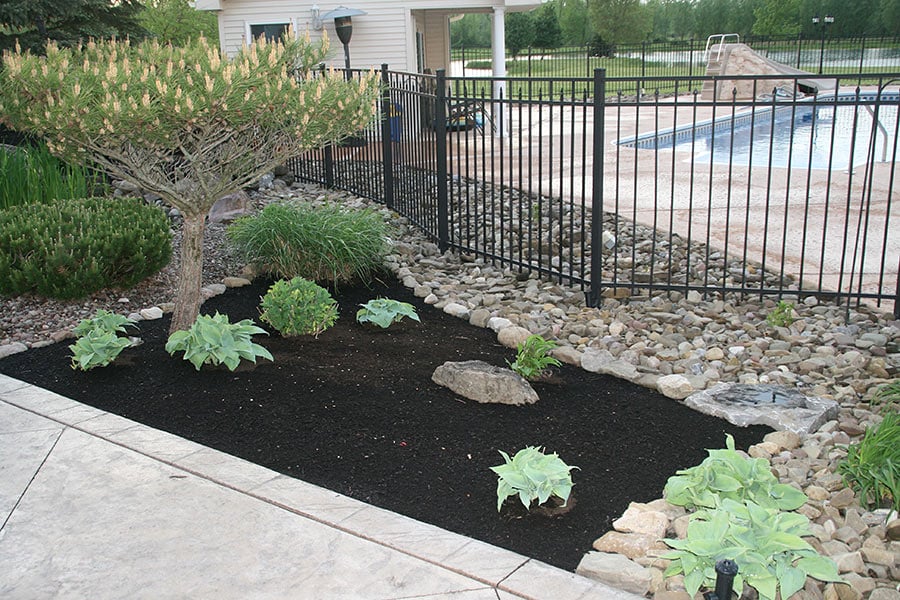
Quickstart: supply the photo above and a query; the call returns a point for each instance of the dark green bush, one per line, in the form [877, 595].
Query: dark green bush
[320, 243]
[71, 248]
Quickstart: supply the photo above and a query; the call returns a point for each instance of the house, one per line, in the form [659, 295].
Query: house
[408, 36]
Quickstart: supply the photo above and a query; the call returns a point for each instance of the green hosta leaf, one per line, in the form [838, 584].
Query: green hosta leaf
[384, 312]
[819, 567]
[693, 581]
[787, 497]
[213, 340]
[532, 475]
[790, 580]
[726, 483]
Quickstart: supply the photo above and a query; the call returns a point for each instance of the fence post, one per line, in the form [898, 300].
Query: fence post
[328, 155]
[463, 61]
[597, 189]
[691, 64]
[387, 137]
[799, 46]
[643, 62]
[440, 132]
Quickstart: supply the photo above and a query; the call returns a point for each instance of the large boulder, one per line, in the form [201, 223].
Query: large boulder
[485, 383]
[230, 207]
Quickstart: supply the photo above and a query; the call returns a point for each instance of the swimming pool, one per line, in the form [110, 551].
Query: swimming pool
[816, 135]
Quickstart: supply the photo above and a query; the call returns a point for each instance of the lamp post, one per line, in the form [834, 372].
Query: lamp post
[343, 26]
[826, 22]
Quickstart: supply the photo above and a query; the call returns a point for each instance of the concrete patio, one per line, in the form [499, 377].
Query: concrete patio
[97, 506]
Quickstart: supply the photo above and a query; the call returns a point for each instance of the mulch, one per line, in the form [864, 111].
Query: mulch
[355, 411]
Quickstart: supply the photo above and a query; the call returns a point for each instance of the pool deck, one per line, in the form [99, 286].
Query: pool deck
[97, 506]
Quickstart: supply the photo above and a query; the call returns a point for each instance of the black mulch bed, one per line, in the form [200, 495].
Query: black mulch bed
[356, 411]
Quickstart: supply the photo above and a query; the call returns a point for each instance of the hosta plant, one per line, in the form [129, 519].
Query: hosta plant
[97, 348]
[212, 340]
[532, 358]
[532, 476]
[725, 474]
[766, 543]
[104, 321]
[298, 307]
[384, 312]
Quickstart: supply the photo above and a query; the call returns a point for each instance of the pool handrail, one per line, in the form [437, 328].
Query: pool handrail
[720, 38]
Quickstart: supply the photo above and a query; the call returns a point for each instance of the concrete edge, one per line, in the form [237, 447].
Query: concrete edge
[501, 569]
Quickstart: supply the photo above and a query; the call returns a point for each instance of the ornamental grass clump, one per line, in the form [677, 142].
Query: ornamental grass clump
[71, 248]
[184, 122]
[872, 466]
[298, 307]
[325, 243]
[32, 175]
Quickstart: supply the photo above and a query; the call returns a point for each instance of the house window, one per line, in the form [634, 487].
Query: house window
[273, 31]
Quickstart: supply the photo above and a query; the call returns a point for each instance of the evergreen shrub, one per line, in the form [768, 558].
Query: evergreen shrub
[69, 249]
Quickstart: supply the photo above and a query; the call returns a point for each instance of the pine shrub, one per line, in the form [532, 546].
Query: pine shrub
[70, 248]
[321, 243]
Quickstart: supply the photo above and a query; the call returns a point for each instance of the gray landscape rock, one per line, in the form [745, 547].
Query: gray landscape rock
[777, 406]
[615, 570]
[485, 383]
[230, 207]
[512, 336]
[10, 349]
[151, 314]
[235, 282]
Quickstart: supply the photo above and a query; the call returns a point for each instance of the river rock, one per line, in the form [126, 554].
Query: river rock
[677, 387]
[485, 383]
[512, 336]
[647, 522]
[632, 545]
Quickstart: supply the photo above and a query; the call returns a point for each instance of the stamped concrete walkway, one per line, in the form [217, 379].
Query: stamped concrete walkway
[93, 505]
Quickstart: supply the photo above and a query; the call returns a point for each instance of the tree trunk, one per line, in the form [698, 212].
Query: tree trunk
[187, 295]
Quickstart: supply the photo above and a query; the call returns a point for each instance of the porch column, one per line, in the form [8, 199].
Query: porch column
[498, 61]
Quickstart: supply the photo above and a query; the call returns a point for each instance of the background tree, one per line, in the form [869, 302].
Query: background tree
[777, 18]
[620, 21]
[176, 21]
[183, 122]
[545, 21]
[574, 22]
[519, 29]
[471, 31]
[35, 22]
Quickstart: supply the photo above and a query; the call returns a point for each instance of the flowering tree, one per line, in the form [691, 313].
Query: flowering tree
[183, 122]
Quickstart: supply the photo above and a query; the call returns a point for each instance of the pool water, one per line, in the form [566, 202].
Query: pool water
[819, 136]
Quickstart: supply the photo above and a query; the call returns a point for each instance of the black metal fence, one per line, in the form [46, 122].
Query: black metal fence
[770, 189]
[687, 58]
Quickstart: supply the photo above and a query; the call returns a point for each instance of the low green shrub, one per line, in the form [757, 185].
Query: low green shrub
[298, 307]
[725, 474]
[320, 243]
[71, 248]
[872, 466]
[532, 476]
[31, 175]
[766, 543]
[216, 341]
[532, 358]
[384, 312]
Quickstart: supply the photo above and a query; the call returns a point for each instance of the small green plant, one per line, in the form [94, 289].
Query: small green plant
[32, 175]
[725, 474]
[532, 358]
[96, 348]
[887, 397]
[385, 311]
[214, 341]
[782, 315]
[298, 307]
[532, 475]
[766, 543]
[320, 243]
[98, 343]
[104, 321]
[872, 466]
[70, 248]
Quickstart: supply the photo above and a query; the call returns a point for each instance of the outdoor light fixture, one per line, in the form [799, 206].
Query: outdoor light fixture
[316, 19]
[344, 28]
[826, 22]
